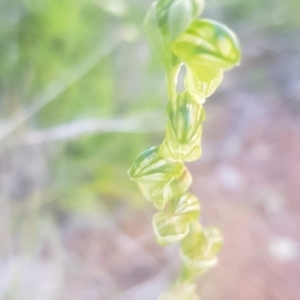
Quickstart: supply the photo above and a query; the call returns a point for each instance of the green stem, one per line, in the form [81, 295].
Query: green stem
[172, 74]
[186, 275]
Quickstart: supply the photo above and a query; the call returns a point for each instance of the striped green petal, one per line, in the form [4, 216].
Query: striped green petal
[208, 43]
[202, 82]
[160, 193]
[170, 227]
[199, 248]
[150, 167]
[158, 178]
[184, 129]
[175, 16]
[165, 21]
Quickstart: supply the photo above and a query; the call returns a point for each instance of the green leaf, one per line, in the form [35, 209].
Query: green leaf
[208, 43]
[199, 248]
[154, 175]
[170, 227]
[184, 129]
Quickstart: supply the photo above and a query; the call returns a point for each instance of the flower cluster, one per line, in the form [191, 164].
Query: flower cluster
[206, 49]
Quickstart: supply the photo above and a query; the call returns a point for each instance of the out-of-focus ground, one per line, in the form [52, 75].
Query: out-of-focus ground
[81, 96]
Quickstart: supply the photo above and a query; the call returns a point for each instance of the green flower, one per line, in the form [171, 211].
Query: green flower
[207, 48]
[182, 142]
[172, 226]
[159, 178]
[199, 248]
[165, 21]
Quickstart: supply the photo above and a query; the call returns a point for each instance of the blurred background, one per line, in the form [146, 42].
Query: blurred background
[81, 95]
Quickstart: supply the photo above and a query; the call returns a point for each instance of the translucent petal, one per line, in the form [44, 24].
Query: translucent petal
[181, 184]
[151, 167]
[175, 16]
[155, 37]
[182, 141]
[202, 82]
[165, 21]
[158, 178]
[170, 227]
[208, 43]
[199, 248]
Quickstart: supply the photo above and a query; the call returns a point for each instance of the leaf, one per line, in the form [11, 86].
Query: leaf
[170, 227]
[199, 248]
[208, 43]
[184, 129]
[154, 175]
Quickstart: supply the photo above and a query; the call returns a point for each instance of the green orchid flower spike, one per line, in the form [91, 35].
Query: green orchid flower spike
[182, 142]
[207, 49]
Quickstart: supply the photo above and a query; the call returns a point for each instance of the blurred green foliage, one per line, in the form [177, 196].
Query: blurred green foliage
[41, 43]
